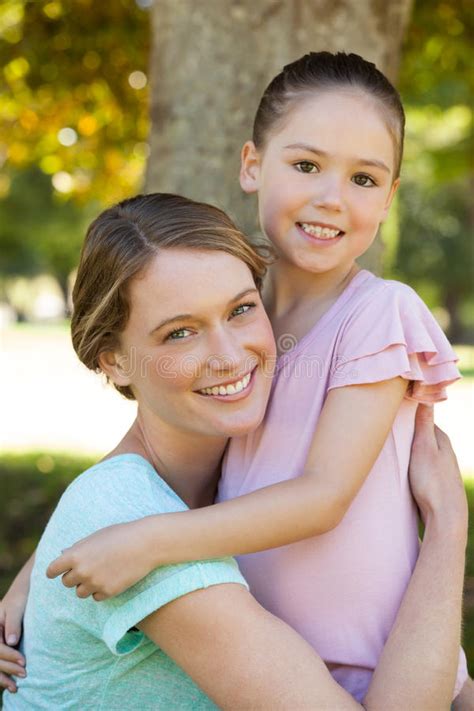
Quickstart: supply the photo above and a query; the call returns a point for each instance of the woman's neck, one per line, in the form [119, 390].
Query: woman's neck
[189, 463]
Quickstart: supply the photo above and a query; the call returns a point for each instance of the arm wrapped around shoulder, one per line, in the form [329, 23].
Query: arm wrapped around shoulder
[393, 334]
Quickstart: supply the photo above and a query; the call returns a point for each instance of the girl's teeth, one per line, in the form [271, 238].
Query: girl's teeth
[231, 389]
[318, 231]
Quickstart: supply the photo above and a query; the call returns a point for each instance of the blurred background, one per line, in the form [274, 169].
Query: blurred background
[75, 137]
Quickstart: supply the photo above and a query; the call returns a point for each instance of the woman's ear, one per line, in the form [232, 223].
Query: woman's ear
[117, 367]
[249, 168]
[391, 195]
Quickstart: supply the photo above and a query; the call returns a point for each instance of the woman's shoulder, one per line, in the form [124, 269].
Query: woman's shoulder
[115, 472]
[117, 489]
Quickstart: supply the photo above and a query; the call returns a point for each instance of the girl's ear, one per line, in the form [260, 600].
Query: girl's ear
[391, 195]
[249, 168]
[116, 367]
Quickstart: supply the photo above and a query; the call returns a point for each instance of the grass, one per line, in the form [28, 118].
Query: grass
[32, 483]
[468, 640]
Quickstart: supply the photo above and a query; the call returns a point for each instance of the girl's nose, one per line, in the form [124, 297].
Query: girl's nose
[329, 194]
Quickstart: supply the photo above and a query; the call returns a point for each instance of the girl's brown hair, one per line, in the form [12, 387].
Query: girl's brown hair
[122, 241]
[322, 71]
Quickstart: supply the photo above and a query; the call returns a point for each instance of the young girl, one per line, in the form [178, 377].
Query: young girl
[327, 471]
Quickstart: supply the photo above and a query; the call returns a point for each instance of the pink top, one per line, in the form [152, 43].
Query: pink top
[341, 590]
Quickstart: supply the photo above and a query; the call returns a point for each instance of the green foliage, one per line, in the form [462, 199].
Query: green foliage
[70, 106]
[31, 485]
[431, 246]
[468, 637]
[437, 57]
[39, 234]
[73, 129]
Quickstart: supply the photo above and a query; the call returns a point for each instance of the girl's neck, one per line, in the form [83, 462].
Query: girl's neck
[291, 289]
[189, 463]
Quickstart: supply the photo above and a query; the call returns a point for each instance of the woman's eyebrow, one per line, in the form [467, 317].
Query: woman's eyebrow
[179, 317]
[185, 317]
[318, 152]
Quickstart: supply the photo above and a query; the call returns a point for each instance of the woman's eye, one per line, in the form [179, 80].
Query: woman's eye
[242, 309]
[305, 166]
[177, 335]
[365, 181]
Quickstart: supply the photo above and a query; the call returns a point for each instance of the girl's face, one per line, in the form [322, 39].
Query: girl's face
[198, 348]
[324, 180]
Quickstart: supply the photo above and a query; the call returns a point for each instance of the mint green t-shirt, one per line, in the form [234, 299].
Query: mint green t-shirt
[83, 654]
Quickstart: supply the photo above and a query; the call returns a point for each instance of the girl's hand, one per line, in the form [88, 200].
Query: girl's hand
[12, 663]
[105, 563]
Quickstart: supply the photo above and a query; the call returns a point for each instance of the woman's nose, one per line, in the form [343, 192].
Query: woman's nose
[225, 354]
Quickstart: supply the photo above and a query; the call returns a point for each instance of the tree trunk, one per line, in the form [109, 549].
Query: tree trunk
[211, 60]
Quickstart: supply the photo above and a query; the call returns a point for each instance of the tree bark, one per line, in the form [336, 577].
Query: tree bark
[210, 62]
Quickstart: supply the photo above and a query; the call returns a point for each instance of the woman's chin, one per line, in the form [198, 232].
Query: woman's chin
[241, 424]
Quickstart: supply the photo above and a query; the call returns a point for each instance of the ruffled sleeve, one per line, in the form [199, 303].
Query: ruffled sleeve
[392, 333]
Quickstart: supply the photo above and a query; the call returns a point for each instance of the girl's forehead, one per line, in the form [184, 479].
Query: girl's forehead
[337, 121]
[351, 108]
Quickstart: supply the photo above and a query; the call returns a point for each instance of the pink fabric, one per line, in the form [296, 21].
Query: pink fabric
[341, 591]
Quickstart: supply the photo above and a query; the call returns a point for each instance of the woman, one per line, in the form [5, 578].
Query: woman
[167, 305]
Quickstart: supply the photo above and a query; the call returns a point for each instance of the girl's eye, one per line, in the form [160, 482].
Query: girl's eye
[177, 335]
[305, 166]
[242, 309]
[365, 181]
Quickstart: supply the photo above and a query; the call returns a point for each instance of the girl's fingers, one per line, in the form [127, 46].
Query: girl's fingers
[11, 655]
[98, 597]
[10, 668]
[58, 566]
[7, 683]
[70, 579]
[83, 591]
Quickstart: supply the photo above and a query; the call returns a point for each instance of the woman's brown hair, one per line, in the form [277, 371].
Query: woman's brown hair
[122, 241]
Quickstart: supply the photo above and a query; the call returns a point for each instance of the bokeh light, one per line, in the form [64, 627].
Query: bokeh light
[137, 80]
[67, 136]
[63, 182]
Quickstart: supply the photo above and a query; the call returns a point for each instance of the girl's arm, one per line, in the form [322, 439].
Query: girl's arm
[12, 610]
[353, 426]
[243, 657]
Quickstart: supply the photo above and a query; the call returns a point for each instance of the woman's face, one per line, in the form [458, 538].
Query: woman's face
[198, 349]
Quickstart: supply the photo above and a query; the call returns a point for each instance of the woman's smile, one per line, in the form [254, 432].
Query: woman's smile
[230, 390]
[198, 323]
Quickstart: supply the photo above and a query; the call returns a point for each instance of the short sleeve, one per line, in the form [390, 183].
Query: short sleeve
[393, 334]
[119, 490]
[119, 615]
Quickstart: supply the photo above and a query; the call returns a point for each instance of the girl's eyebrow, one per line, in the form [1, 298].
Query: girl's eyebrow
[186, 317]
[318, 152]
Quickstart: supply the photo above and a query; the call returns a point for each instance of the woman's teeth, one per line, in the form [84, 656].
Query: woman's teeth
[231, 389]
[318, 231]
